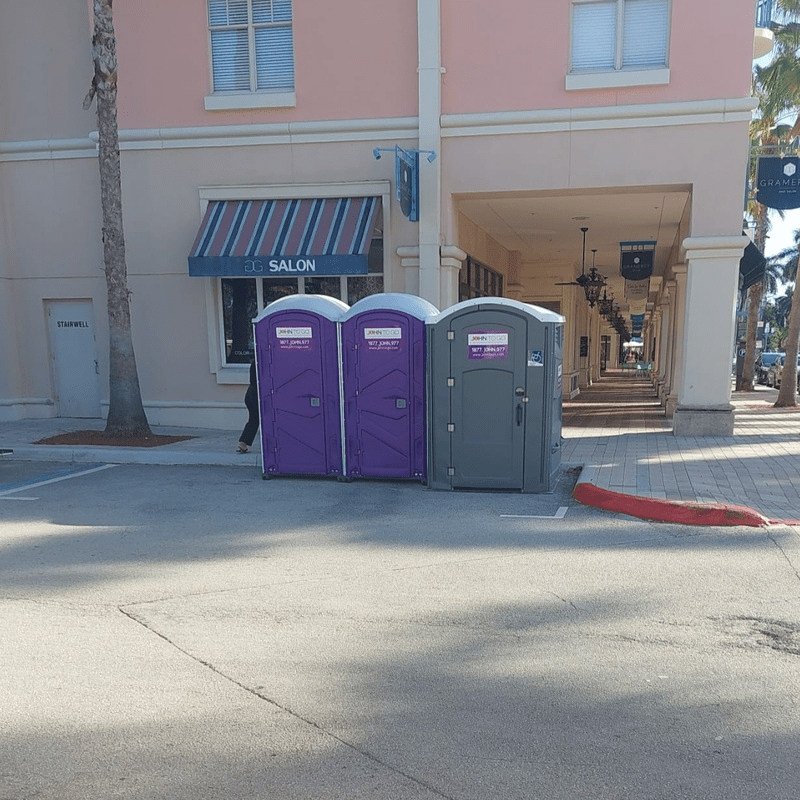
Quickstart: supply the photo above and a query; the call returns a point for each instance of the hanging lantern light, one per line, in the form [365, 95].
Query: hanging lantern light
[605, 305]
[592, 283]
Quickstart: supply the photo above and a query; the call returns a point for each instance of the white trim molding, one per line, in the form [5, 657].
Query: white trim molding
[236, 102]
[315, 132]
[17, 408]
[393, 128]
[292, 191]
[47, 149]
[714, 246]
[645, 115]
[618, 79]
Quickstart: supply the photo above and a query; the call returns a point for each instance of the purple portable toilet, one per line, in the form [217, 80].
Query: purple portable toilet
[297, 363]
[383, 378]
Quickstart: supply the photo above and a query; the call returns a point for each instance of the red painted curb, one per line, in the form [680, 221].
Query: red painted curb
[684, 513]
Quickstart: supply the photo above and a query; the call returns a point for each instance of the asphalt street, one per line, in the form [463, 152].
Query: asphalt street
[190, 633]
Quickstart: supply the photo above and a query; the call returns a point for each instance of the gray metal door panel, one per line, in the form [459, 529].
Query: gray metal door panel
[488, 367]
[74, 358]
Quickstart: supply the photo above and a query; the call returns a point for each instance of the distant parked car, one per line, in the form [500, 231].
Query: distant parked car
[775, 372]
[763, 362]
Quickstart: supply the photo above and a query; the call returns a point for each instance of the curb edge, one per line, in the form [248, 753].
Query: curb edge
[677, 511]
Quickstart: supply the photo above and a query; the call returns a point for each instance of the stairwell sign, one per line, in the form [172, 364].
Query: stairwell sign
[778, 181]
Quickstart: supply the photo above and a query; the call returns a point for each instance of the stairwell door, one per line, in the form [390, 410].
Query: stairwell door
[73, 354]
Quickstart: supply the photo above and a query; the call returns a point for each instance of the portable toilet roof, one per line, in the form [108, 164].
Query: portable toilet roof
[393, 301]
[542, 314]
[329, 307]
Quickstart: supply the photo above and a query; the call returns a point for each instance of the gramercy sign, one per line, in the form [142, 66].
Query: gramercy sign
[778, 181]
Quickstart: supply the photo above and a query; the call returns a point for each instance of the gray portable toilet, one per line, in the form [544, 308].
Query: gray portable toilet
[494, 405]
[297, 365]
[383, 376]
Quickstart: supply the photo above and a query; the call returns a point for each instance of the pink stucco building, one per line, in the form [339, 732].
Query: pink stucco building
[624, 117]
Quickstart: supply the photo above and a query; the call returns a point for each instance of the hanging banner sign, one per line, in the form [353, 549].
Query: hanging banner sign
[778, 181]
[637, 321]
[637, 290]
[639, 307]
[636, 265]
[407, 182]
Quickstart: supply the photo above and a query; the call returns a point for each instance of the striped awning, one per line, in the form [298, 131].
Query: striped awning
[278, 238]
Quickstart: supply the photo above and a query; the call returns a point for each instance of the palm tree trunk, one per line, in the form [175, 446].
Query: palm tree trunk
[787, 394]
[754, 294]
[126, 416]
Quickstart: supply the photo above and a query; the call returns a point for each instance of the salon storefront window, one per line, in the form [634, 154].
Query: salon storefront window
[243, 299]
[259, 250]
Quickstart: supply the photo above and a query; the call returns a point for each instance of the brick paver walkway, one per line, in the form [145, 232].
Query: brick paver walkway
[617, 429]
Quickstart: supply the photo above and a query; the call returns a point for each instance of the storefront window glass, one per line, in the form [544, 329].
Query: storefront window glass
[275, 288]
[332, 287]
[243, 299]
[239, 308]
[363, 286]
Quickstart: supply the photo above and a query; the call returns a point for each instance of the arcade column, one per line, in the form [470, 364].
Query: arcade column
[679, 271]
[704, 407]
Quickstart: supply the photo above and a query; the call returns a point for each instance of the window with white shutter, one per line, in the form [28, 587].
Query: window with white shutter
[252, 53]
[629, 38]
[644, 33]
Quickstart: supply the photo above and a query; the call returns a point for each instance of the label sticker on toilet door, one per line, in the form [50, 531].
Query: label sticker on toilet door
[483, 345]
[535, 358]
[293, 338]
[383, 338]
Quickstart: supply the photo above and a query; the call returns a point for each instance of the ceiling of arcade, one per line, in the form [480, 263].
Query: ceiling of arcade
[545, 227]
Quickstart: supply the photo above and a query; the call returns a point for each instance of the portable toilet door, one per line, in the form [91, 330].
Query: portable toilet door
[384, 395]
[297, 364]
[492, 368]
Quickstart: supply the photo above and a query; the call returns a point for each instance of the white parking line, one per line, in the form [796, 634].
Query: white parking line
[560, 514]
[4, 495]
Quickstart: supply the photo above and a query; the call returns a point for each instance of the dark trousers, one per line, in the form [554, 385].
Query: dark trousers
[250, 430]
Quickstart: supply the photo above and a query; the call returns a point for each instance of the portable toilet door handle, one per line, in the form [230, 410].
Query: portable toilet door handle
[519, 414]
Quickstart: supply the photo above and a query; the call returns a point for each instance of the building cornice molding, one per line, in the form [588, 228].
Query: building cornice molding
[48, 149]
[646, 115]
[697, 247]
[391, 129]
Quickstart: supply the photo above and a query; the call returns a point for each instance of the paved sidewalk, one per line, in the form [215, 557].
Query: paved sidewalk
[616, 431]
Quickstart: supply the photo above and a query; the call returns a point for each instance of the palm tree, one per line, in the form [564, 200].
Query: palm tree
[780, 84]
[769, 285]
[777, 89]
[759, 129]
[787, 261]
[126, 416]
[783, 305]
[780, 79]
